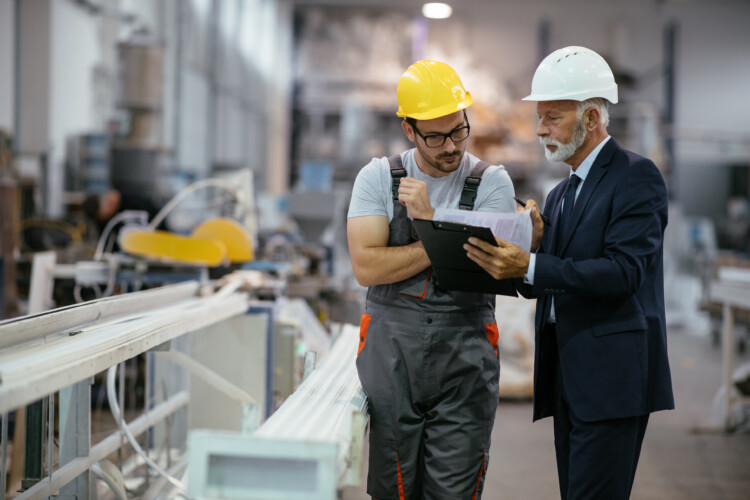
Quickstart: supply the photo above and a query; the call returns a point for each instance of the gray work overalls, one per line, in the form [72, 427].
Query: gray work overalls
[429, 365]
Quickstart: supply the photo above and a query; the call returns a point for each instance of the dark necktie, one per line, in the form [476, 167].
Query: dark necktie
[567, 209]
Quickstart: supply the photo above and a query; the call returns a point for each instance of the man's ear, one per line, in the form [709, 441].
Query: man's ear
[591, 119]
[408, 130]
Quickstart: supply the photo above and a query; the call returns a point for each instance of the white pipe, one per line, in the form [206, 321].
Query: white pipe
[137, 216]
[115, 408]
[185, 192]
[156, 490]
[27, 375]
[117, 489]
[321, 408]
[24, 328]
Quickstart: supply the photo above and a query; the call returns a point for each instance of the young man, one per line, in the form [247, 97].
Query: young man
[427, 358]
[601, 346]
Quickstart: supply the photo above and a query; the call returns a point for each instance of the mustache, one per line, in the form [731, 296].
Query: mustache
[548, 141]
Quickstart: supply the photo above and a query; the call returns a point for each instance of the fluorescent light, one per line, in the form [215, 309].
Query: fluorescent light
[437, 10]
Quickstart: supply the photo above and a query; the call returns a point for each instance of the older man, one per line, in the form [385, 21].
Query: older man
[601, 347]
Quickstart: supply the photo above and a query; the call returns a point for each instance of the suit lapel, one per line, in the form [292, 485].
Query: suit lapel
[596, 173]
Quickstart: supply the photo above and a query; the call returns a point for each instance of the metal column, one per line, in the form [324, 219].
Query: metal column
[670, 49]
[33, 453]
[75, 436]
[543, 40]
[17, 88]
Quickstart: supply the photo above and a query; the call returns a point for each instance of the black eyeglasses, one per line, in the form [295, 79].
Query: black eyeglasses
[436, 140]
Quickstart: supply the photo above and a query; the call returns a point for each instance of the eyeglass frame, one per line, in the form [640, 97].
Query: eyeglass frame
[413, 123]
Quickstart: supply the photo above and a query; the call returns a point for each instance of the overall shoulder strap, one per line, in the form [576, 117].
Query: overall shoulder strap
[397, 173]
[471, 185]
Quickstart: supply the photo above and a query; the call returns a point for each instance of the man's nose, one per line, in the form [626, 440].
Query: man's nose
[448, 145]
[541, 129]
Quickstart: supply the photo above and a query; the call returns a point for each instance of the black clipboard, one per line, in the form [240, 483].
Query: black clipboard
[453, 269]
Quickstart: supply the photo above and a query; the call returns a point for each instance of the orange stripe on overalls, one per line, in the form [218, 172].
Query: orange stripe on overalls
[401, 495]
[479, 479]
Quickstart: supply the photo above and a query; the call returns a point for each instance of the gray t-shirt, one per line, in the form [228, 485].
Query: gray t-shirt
[372, 193]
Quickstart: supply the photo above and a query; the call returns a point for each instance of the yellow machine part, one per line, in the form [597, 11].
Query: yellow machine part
[163, 245]
[231, 233]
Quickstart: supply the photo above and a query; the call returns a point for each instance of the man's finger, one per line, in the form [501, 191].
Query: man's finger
[487, 247]
[478, 256]
[484, 260]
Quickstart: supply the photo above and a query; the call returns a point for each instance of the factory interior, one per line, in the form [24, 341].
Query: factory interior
[179, 317]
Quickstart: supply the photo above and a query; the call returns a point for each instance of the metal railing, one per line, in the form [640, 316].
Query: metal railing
[62, 349]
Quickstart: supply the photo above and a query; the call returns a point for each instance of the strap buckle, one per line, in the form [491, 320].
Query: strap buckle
[469, 193]
[396, 175]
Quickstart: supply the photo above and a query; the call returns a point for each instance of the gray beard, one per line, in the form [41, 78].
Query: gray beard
[565, 151]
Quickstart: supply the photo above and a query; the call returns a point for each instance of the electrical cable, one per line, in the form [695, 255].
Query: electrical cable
[107, 472]
[116, 413]
[136, 216]
[220, 183]
[105, 245]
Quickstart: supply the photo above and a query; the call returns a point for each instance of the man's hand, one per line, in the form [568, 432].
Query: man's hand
[537, 223]
[412, 193]
[503, 261]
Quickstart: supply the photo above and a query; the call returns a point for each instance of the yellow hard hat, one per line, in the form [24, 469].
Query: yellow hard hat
[430, 89]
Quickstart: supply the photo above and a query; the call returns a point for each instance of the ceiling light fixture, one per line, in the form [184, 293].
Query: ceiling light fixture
[437, 10]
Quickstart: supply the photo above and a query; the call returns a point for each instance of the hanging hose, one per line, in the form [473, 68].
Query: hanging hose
[137, 216]
[114, 406]
[187, 191]
[107, 472]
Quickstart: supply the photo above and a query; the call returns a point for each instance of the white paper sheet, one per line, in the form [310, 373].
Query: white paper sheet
[515, 228]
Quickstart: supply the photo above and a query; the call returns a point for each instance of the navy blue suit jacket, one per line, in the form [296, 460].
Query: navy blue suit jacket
[606, 277]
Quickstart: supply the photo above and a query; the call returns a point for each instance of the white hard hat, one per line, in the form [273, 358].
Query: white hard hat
[575, 73]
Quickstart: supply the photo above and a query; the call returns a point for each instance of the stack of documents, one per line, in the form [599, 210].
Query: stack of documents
[515, 228]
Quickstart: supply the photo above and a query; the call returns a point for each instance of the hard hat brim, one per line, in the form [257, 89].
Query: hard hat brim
[608, 94]
[439, 112]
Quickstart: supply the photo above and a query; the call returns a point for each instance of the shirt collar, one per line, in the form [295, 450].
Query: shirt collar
[583, 169]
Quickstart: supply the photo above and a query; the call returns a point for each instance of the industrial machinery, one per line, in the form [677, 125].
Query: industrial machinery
[206, 429]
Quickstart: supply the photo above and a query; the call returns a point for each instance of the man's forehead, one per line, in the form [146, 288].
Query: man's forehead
[447, 122]
[561, 106]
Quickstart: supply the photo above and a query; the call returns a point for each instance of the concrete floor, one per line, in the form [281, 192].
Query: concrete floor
[682, 458]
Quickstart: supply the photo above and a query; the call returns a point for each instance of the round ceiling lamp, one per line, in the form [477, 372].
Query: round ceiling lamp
[437, 10]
